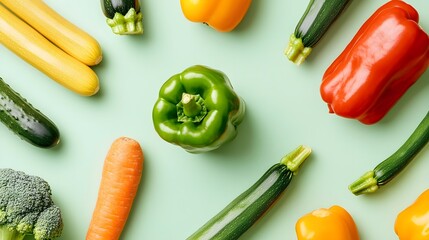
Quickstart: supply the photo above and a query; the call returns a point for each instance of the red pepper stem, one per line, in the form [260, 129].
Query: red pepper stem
[191, 108]
[296, 51]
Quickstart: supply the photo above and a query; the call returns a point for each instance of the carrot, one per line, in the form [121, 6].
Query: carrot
[120, 179]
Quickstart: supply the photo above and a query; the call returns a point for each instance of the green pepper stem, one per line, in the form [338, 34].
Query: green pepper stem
[365, 184]
[296, 51]
[129, 24]
[191, 108]
[294, 159]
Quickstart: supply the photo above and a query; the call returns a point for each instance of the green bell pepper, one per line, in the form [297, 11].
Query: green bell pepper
[198, 110]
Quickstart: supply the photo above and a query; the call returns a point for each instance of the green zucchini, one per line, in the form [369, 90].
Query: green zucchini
[248, 207]
[123, 16]
[314, 23]
[26, 121]
[388, 169]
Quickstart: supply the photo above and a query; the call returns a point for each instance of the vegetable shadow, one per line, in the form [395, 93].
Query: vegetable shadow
[406, 101]
[250, 17]
[101, 69]
[244, 140]
[60, 145]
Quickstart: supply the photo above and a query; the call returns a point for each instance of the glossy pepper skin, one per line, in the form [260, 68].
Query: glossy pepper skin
[222, 15]
[384, 59]
[413, 222]
[334, 223]
[198, 110]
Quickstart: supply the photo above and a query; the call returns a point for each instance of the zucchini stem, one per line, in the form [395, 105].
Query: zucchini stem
[296, 51]
[365, 184]
[248, 207]
[294, 159]
[129, 24]
[388, 169]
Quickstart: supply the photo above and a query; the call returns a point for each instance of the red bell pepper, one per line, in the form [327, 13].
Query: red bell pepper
[383, 60]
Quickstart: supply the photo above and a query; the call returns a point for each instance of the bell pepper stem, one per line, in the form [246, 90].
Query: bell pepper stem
[294, 159]
[296, 51]
[365, 184]
[130, 23]
[191, 108]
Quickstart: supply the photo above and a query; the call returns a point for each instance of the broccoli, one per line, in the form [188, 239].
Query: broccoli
[27, 208]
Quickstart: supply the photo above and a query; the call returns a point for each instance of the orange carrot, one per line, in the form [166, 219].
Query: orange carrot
[120, 179]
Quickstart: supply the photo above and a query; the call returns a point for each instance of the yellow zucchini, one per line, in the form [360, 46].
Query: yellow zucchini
[57, 29]
[35, 49]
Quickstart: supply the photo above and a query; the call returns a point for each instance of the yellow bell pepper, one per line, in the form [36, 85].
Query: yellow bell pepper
[334, 223]
[222, 15]
[413, 222]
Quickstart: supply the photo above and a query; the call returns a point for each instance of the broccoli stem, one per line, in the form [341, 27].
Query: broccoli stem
[8, 234]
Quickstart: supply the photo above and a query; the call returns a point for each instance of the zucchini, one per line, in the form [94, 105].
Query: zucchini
[314, 23]
[57, 29]
[26, 121]
[239, 215]
[38, 51]
[388, 169]
[123, 16]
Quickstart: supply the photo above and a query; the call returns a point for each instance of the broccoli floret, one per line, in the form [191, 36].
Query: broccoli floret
[27, 208]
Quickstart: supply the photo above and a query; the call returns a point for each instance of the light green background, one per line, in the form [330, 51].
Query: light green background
[181, 191]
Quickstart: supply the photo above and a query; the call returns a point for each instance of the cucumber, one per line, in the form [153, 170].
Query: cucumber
[26, 121]
[388, 169]
[238, 216]
[314, 23]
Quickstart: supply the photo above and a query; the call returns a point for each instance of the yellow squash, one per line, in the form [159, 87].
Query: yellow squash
[222, 15]
[334, 223]
[413, 222]
[35, 49]
[57, 29]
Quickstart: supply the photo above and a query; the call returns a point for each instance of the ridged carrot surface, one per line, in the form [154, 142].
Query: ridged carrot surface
[120, 179]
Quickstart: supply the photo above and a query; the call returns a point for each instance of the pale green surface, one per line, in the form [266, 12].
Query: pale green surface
[181, 191]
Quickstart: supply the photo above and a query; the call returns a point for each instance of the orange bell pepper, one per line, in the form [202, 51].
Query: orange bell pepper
[385, 58]
[334, 223]
[222, 15]
[413, 222]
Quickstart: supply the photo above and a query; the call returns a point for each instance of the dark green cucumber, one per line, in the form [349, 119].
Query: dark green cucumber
[238, 216]
[26, 121]
[123, 16]
[388, 169]
[314, 23]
